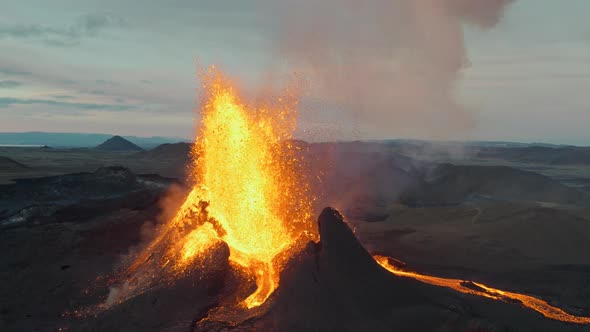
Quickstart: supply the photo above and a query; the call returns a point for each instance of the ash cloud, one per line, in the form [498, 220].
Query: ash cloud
[388, 65]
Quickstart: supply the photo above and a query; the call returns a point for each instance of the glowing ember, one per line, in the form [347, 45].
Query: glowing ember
[198, 241]
[478, 289]
[248, 172]
[248, 192]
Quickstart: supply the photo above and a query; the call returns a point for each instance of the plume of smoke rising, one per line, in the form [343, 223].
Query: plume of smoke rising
[169, 205]
[389, 66]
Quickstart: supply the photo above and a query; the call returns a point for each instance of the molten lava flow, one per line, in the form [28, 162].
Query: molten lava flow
[478, 289]
[249, 192]
[198, 241]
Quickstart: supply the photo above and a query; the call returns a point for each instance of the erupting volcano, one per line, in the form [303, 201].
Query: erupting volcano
[250, 194]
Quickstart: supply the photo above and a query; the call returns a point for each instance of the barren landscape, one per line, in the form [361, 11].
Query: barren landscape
[68, 218]
[294, 166]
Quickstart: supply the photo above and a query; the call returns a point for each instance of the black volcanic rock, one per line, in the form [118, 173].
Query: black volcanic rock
[335, 285]
[168, 306]
[338, 241]
[78, 197]
[118, 143]
[332, 285]
[7, 164]
[104, 182]
[341, 288]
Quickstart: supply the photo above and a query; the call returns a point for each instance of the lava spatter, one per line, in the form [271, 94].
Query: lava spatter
[249, 191]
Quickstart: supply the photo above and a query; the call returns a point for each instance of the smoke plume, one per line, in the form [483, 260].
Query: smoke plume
[389, 66]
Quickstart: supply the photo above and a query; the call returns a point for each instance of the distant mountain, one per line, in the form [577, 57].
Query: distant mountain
[118, 143]
[176, 152]
[78, 140]
[565, 155]
[442, 144]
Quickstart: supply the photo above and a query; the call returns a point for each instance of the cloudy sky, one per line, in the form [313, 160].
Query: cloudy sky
[128, 66]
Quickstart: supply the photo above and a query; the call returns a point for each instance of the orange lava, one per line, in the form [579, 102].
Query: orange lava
[248, 192]
[478, 289]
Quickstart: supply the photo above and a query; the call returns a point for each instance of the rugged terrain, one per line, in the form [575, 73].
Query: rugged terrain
[72, 217]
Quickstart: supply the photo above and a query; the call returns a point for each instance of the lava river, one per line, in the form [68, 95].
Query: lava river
[474, 288]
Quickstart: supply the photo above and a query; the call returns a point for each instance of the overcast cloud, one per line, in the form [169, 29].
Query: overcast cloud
[452, 69]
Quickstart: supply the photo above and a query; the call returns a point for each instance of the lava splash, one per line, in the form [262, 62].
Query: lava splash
[248, 192]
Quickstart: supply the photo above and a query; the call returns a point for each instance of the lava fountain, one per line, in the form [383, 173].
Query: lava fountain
[248, 192]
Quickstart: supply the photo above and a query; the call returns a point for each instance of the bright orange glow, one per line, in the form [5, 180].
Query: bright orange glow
[249, 191]
[478, 289]
[248, 173]
[198, 241]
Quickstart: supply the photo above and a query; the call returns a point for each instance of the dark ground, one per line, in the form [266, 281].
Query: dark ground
[503, 220]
